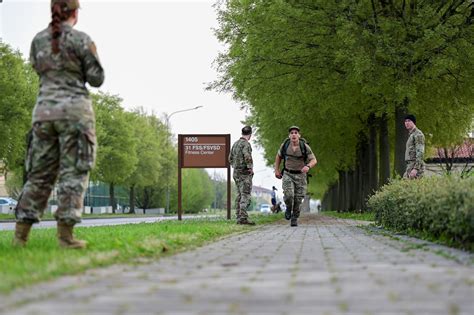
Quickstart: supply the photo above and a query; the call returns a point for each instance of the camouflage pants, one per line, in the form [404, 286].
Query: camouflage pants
[59, 150]
[243, 181]
[294, 190]
[410, 166]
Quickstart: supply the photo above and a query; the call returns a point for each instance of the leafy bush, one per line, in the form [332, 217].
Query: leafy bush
[436, 207]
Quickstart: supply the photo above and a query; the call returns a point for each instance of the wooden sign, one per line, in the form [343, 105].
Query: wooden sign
[203, 151]
[206, 151]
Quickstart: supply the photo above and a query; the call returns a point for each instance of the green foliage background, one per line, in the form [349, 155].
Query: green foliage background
[326, 65]
[136, 150]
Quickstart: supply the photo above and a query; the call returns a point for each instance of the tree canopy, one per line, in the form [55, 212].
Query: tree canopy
[338, 68]
[18, 90]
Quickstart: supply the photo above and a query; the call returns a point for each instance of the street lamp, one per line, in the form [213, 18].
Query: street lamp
[167, 117]
[179, 111]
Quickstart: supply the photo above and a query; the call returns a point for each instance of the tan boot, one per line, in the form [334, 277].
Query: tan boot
[22, 230]
[66, 239]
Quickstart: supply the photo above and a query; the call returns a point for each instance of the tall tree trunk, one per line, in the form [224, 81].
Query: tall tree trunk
[373, 165]
[365, 167]
[146, 199]
[335, 196]
[358, 182]
[401, 136]
[340, 190]
[132, 199]
[384, 151]
[352, 190]
[324, 200]
[347, 191]
[112, 197]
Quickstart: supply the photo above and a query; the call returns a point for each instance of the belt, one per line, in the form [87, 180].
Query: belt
[409, 161]
[291, 171]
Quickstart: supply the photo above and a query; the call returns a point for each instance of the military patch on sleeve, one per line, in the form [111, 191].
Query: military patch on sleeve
[93, 49]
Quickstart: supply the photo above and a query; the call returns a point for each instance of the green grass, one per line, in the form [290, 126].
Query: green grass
[42, 259]
[4, 216]
[364, 216]
[49, 216]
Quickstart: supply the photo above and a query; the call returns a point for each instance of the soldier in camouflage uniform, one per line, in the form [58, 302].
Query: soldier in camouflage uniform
[296, 166]
[415, 150]
[240, 158]
[63, 144]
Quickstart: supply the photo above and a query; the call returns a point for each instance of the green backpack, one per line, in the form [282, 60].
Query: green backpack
[303, 149]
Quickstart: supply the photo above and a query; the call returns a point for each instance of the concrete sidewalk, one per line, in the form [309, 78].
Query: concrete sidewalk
[324, 266]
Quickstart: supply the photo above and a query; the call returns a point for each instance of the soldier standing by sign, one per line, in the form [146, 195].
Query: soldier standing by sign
[298, 159]
[415, 149]
[63, 145]
[240, 158]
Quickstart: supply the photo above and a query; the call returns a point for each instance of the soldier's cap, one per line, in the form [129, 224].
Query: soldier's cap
[411, 117]
[247, 130]
[294, 128]
[69, 4]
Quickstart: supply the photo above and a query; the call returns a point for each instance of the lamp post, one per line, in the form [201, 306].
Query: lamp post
[167, 117]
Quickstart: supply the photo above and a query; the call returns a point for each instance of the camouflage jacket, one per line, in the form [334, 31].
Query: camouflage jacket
[240, 156]
[415, 149]
[62, 93]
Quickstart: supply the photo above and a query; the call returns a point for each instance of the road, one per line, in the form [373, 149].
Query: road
[106, 221]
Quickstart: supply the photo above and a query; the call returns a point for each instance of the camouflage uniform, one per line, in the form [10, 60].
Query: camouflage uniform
[63, 144]
[241, 160]
[414, 153]
[294, 182]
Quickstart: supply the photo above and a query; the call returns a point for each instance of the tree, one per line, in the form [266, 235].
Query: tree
[338, 69]
[148, 152]
[197, 190]
[116, 155]
[18, 90]
[155, 155]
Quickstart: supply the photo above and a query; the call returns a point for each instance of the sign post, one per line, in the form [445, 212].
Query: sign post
[203, 151]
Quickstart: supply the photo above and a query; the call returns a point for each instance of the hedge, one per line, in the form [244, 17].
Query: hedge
[436, 207]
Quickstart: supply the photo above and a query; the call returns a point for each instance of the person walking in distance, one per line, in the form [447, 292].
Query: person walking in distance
[240, 158]
[63, 143]
[298, 159]
[415, 149]
[274, 199]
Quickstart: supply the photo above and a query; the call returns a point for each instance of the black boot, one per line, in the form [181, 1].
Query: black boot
[294, 222]
[287, 213]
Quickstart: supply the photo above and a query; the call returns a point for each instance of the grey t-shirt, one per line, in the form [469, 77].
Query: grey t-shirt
[294, 158]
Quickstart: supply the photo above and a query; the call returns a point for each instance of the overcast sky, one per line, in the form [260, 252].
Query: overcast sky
[156, 54]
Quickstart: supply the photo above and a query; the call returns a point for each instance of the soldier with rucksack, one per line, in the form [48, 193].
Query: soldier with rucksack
[298, 159]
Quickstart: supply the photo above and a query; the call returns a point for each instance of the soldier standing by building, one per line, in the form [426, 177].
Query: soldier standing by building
[240, 158]
[415, 149]
[298, 160]
[63, 144]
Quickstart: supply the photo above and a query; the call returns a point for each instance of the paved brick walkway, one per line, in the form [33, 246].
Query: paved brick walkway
[324, 266]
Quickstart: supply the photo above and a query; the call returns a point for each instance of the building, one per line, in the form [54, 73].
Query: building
[454, 159]
[263, 194]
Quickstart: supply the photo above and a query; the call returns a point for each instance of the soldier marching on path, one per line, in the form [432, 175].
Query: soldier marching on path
[63, 144]
[415, 149]
[298, 159]
[240, 158]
